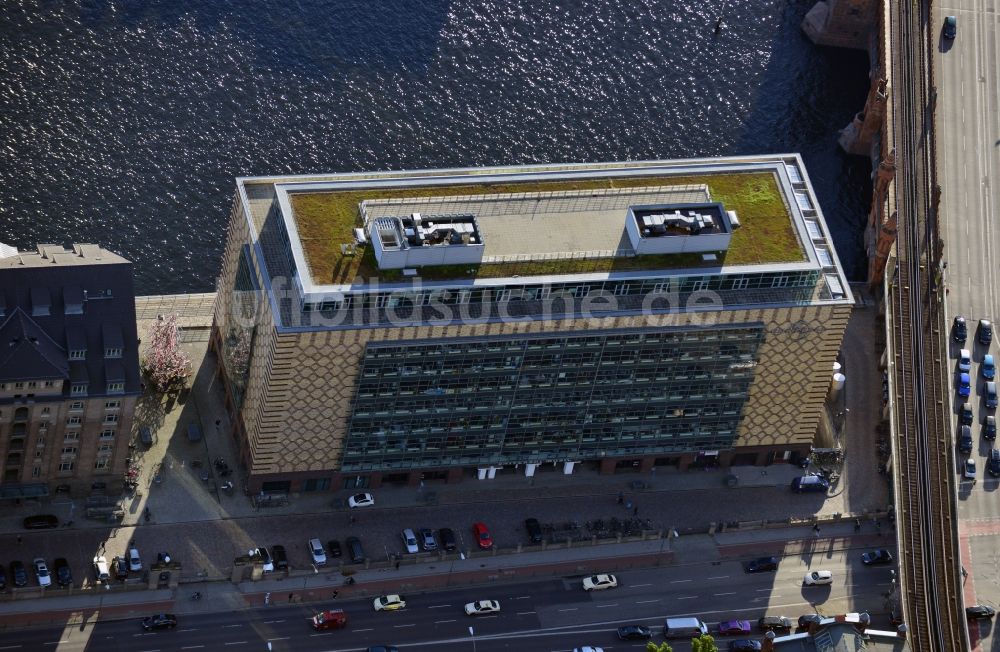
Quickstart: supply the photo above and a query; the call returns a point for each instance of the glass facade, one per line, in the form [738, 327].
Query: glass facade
[237, 345]
[550, 397]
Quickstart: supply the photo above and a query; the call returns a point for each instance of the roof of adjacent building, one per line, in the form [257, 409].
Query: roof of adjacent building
[55, 300]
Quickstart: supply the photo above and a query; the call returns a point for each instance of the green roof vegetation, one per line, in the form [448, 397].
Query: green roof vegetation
[325, 220]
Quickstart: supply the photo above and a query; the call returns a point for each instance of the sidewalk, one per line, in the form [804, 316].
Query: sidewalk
[321, 587]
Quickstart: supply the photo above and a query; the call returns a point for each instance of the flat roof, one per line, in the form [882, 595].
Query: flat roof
[315, 217]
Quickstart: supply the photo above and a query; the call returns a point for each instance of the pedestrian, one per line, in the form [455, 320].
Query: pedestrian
[857, 525]
[635, 511]
[816, 530]
[335, 594]
[621, 498]
[397, 565]
[19, 539]
[291, 596]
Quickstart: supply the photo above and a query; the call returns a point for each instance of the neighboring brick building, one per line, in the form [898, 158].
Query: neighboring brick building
[69, 368]
[399, 326]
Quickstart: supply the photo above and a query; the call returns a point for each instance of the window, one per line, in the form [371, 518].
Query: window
[110, 418]
[18, 385]
[78, 389]
[76, 406]
[105, 448]
[46, 411]
[69, 451]
[78, 354]
[71, 437]
[32, 384]
[74, 421]
[116, 388]
[50, 383]
[107, 434]
[779, 281]
[113, 353]
[65, 467]
[36, 471]
[112, 405]
[102, 463]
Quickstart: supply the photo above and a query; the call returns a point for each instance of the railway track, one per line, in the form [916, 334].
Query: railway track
[923, 452]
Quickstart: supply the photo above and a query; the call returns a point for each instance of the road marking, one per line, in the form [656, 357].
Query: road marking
[636, 586]
[680, 581]
[525, 613]
[236, 625]
[285, 638]
[237, 643]
[399, 626]
[646, 601]
[763, 590]
[719, 577]
[718, 594]
[572, 609]
[439, 606]
[14, 647]
[271, 622]
[602, 606]
[192, 647]
[187, 630]
[156, 650]
[687, 597]
[439, 622]
[523, 597]
[370, 629]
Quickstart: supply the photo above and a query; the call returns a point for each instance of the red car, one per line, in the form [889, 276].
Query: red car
[483, 536]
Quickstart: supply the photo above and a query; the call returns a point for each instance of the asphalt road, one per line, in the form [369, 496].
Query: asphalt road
[550, 615]
[968, 137]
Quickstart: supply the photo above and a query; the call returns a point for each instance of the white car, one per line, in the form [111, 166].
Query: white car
[964, 360]
[599, 582]
[818, 577]
[970, 469]
[42, 572]
[410, 540]
[101, 573]
[317, 552]
[389, 603]
[361, 500]
[265, 559]
[134, 560]
[482, 607]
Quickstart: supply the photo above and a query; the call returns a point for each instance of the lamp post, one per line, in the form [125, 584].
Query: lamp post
[472, 633]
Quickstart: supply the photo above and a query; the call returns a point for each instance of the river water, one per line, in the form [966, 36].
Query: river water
[125, 123]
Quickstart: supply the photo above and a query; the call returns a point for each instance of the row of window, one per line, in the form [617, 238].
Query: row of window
[81, 354]
[23, 413]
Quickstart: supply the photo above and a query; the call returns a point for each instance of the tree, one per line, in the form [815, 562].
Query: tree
[165, 365]
[658, 647]
[704, 643]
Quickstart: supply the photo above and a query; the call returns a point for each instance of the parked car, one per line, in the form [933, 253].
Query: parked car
[482, 607]
[264, 557]
[965, 414]
[448, 541]
[355, 550]
[600, 582]
[280, 557]
[744, 645]
[389, 603]
[964, 385]
[959, 330]
[41, 572]
[988, 368]
[635, 633]
[776, 624]
[316, 552]
[762, 564]
[876, 557]
[427, 539]
[965, 439]
[985, 332]
[816, 578]
[330, 619]
[159, 621]
[361, 500]
[41, 522]
[64, 577]
[482, 535]
[333, 549]
[134, 560]
[808, 619]
[410, 541]
[18, 574]
[950, 27]
[979, 612]
[734, 627]
[991, 394]
[120, 566]
[534, 529]
[969, 473]
[964, 360]
[990, 428]
[993, 463]
[3, 578]
[382, 648]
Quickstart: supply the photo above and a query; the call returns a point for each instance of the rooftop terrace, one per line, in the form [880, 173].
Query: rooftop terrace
[326, 219]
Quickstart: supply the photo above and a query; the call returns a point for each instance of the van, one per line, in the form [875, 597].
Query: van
[355, 550]
[331, 619]
[810, 483]
[684, 628]
[146, 436]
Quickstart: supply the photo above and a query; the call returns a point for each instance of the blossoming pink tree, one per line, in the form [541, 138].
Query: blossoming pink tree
[165, 365]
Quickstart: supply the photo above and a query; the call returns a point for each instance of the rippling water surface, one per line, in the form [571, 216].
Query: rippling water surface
[125, 122]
